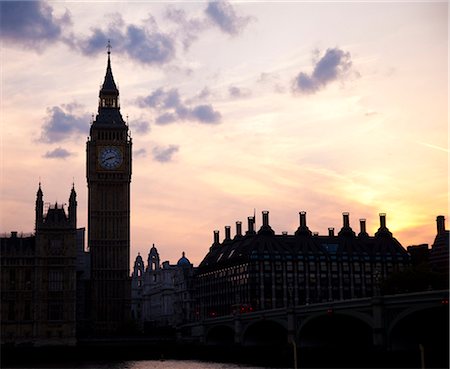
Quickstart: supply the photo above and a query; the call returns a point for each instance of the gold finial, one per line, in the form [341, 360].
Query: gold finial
[109, 47]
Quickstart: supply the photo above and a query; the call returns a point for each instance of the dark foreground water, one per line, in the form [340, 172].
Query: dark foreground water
[145, 364]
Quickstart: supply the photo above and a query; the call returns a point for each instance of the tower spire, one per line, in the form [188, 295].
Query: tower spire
[109, 86]
[108, 104]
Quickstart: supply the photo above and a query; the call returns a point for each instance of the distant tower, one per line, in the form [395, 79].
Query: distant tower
[153, 259]
[39, 207]
[108, 178]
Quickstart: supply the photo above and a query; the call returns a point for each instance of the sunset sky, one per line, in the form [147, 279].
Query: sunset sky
[232, 106]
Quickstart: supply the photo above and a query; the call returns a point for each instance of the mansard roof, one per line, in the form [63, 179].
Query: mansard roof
[264, 245]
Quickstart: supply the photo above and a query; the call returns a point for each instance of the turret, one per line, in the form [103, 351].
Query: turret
[138, 270]
[39, 208]
[73, 207]
[153, 259]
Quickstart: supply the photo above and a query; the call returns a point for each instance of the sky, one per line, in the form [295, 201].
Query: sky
[233, 108]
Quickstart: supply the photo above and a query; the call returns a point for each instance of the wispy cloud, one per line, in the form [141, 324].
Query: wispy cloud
[172, 108]
[238, 92]
[164, 154]
[435, 147]
[188, 29]
[222, 14]
[60, 124]
[31, 23]
[334, 65]
[58, 153]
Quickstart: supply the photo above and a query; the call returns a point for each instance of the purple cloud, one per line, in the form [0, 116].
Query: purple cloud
[223, 15]
[164, 154]
[334, 65]
[143, 44]
[30, 23]
[60, 125]
[171, 108]
[141, 153]
[140, 126]
[58, 153]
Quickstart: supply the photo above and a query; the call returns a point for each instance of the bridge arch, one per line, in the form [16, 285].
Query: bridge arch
[336, 330]
[265, 333]
[220, 335]
[426, 325]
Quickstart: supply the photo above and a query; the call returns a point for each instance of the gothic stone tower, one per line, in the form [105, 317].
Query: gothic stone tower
[108, 177]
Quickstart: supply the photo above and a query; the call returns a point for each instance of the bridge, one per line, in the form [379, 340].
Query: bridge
[393, 322]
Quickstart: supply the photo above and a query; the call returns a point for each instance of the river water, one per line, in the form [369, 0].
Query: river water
[146, 364]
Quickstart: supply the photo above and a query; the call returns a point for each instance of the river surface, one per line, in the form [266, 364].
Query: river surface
[146, 364]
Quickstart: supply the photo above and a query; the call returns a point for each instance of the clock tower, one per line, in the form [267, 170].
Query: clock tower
[108, 154]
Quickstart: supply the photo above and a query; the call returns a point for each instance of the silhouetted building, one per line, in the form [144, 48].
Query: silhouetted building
[39, 279]
[108, 177]
[261, 270]
[439, 255]
[161, 293]
[420, 254]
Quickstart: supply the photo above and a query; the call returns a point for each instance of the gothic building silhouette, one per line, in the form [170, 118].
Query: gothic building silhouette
[38, 278]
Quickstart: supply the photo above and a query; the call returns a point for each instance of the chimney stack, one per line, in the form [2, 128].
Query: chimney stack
[227, 233]
[216, 237]
[362, 225]
[346, 220]
[238, 229]
[382, 220]
[440, 222]
[251, 225]
[265, 218]
[331, 231]
[302, 219]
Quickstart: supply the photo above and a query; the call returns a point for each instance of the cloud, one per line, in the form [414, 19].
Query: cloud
[144, 44]
[171, 108]
[141, 153]
[140, 126]
[238, 92]
[58, 153]
[223, 15]
[334, 65]
[187, 29]
[206, 114]
[30, 23]
[60, 124]
[273, 80]
[164, 154]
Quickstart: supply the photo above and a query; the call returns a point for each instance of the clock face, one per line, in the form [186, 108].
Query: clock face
[110, 157]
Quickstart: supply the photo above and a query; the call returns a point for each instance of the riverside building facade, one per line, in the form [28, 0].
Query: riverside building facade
[262, 270]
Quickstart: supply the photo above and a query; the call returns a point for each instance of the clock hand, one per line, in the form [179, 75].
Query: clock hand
[109, 157]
